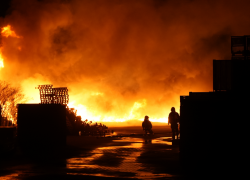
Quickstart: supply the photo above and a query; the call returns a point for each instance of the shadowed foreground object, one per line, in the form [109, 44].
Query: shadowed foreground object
[213, 150]
[42, 129]
[127, 155]
[206, 149]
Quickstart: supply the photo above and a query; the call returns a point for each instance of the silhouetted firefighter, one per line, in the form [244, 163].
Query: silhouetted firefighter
[174, 119]
[147, 126]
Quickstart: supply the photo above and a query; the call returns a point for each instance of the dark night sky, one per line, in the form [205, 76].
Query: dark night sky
[122, 58]
[4, 6]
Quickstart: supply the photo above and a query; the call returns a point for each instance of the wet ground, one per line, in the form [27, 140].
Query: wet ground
[125, 154]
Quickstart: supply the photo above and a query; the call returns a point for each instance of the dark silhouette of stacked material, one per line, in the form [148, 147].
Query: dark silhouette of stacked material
[211, 121]
[42, 130]
[49, 95]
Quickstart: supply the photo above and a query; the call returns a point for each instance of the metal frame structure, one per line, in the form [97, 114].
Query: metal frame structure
[50, 95]
[240, 47]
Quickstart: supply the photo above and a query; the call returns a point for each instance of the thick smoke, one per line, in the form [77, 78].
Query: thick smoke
[116, 55]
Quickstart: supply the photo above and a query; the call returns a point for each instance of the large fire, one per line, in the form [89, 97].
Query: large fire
[83, 111]
[120, 60]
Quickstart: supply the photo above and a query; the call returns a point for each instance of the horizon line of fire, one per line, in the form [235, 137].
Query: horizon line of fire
[46, 97]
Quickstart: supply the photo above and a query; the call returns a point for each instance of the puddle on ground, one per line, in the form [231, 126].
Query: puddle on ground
[117, 161]
[160, 140]
[120, 160]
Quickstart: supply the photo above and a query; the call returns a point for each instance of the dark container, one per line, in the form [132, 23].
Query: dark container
[41, 129]
[211, 127]
[7, 140]
[231, 75]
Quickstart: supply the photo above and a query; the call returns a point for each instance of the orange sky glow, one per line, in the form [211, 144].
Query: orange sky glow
[120, 60]
[1, 59]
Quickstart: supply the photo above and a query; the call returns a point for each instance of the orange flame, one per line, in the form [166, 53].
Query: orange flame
[6, 31]
[1, 59]
[85, 113]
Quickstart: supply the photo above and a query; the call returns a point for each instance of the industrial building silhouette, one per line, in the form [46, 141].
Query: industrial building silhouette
[212, 123]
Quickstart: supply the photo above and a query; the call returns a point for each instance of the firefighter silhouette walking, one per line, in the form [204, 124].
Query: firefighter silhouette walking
[174, 119]
[147, 126]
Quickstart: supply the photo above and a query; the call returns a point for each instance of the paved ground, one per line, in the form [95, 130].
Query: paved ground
[126, 155]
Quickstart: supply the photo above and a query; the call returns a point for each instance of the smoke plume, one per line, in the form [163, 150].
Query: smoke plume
[120, 59]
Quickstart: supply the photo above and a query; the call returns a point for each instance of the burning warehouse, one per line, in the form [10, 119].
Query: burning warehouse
[211, 122]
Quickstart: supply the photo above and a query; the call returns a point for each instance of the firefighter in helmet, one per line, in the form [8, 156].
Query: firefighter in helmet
[174, 119]
[147, 125]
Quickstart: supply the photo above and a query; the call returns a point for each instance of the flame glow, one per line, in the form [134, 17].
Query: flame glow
[136, 106]
[120, 60]
[6, 31]
[96, 117]
[1, 59]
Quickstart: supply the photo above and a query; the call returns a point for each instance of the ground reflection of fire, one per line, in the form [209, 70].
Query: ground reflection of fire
[100, 161]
